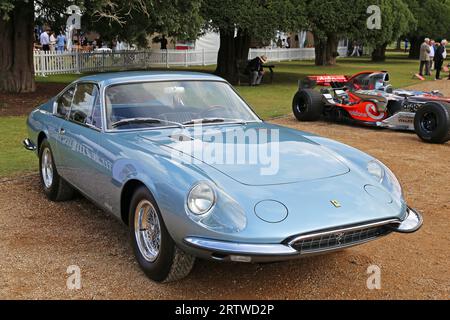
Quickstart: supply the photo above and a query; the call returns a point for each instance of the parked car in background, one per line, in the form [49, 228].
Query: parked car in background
[130, 142]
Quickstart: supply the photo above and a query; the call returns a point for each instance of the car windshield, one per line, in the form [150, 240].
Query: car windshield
[174, 103]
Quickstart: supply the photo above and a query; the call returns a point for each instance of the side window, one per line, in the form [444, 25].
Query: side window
[95, 119]
[83, 102]
[64, 103]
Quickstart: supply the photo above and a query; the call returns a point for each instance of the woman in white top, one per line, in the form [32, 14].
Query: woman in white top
[52, 41]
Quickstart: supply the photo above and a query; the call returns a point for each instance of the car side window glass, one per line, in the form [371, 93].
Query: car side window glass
[83, 103]
[95, 118]
[64, 102]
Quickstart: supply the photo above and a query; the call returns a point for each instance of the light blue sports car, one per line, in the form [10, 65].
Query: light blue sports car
[183, 161]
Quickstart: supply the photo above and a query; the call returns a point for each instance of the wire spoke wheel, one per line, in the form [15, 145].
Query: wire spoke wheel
[47, 168]
[147, 230]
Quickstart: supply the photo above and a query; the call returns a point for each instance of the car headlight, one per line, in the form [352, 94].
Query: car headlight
[392, 183]
[385, 176]
[201, 198]
[376, 170]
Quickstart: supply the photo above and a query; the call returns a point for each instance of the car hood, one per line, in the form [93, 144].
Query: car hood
[254, 154]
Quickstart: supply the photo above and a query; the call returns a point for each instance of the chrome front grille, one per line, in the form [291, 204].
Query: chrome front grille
[332, 240]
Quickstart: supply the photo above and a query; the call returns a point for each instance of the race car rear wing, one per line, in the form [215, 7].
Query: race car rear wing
[334, 81]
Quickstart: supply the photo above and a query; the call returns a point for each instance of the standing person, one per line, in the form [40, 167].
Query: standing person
[44, 39]
[60, 42]
[432, 51]
[425, 57]
[256, 69]
[288, 43]
[164, 43]
[349, 48]
[355, 52]
[439, 57]
[52, 41]
[279, 43]
[406, 45]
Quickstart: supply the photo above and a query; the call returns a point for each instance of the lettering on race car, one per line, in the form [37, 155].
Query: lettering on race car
[406, 120]
[358, 114]
[411, 106]
[371, 112]
[328, 79]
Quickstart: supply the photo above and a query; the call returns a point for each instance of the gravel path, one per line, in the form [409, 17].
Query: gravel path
[40, 239]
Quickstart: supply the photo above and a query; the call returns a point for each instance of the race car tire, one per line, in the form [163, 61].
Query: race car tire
[307, 105]
[432, 122]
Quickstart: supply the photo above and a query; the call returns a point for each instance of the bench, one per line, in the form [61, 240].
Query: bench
[270, 67]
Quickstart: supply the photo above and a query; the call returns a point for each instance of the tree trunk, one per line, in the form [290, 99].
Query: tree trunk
[320, 50]
[16, 50]
[414, 51]
[331, 49]
[379, 53]
[242, 46]
[233, 54]
[399, 44]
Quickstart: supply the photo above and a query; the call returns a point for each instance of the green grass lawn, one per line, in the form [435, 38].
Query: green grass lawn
[14, 159]
[268, 100]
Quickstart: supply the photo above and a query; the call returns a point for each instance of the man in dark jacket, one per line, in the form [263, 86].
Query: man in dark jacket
[256, 70]
[163, 43]
[439, 57]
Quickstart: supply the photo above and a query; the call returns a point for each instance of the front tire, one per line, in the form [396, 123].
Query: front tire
[55, 187]
[432, 122]
[156, 252]
[307, 105]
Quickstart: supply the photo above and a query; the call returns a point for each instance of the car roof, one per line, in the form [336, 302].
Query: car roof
[131, 76]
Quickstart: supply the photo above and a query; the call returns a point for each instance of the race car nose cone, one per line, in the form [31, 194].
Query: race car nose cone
[378, 193]
[271, 211]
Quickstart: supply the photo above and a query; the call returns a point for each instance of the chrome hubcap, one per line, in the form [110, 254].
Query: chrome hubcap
[147, 230]
[47, 168]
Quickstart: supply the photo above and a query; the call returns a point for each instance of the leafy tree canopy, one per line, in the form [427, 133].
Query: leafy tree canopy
[130, 20]
[340, 17]
[260, 19]
[433, 20]
[433, 17]
[396, 20]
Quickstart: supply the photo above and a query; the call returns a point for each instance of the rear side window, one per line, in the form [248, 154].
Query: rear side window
[64, 102]
[83, 103]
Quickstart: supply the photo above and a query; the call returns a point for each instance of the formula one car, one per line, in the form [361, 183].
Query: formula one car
[368, 98]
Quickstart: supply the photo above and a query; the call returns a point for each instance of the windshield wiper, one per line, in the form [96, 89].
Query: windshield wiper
[213, 120]
[144, 120]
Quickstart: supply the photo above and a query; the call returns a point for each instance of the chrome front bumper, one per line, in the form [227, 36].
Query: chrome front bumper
[246, 252]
